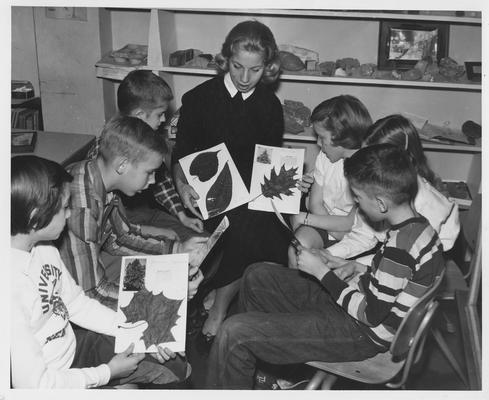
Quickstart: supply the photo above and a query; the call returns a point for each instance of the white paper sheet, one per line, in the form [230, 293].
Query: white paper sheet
[275, 162]
[165, 277]
[214, 176]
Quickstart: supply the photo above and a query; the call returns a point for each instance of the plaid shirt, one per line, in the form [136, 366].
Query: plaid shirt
[98, 221]
[163, 189]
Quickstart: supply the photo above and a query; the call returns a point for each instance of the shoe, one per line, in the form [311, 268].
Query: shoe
[265, 381]
[287, 385]
[203, 343]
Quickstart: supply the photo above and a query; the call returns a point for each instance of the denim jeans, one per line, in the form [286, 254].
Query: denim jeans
[288, 317]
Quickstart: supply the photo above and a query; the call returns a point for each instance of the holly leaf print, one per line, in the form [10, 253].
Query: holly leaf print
[279, 184]
[158, 311]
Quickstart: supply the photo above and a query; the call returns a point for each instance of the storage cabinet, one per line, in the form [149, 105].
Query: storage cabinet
[334, 35]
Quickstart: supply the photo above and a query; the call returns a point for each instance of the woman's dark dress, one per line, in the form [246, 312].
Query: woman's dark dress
[210, 116]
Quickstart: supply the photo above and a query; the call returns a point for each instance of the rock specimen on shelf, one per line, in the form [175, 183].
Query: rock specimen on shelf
[200, 61]
[450, 69]
[327, 68]
[347, 64]
[290, 62]
[296, 116]
[304, 54]
[367, 70]
[472, 130]
[409, 75]
[180, 57]
[134, 54]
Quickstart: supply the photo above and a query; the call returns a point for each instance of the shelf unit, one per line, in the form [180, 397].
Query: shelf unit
[179, 28]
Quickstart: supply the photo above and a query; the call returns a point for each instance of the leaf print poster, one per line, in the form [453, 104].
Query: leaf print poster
[214, 176]
[152, 305]
[276, 172]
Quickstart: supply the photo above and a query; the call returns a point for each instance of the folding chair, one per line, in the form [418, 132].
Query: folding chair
[455, 281]
[392, 367]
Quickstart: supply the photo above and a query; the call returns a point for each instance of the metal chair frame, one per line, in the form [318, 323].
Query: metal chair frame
[391, 368]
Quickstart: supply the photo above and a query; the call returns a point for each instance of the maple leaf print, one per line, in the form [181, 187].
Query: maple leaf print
[278, 185]
[158, 311]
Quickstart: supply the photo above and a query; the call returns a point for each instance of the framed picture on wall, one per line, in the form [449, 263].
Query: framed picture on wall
[402, 45]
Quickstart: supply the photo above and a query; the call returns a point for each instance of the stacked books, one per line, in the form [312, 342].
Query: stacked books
[458, 192]
[25, 118]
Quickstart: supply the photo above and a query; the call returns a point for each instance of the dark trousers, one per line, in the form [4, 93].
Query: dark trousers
[288, 318]
[93, 349]
[252, 236]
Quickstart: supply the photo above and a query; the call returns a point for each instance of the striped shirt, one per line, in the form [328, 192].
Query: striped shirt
[163, 189]
[98, 222]
[402, 271]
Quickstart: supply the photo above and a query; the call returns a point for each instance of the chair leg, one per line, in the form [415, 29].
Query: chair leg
[322, 379]
[448, 354]
[328, 382]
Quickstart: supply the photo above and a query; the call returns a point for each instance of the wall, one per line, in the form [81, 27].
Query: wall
[24, 55]
[72, 97]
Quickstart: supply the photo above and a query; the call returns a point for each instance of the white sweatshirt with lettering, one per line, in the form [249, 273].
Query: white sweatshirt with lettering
[45, 298]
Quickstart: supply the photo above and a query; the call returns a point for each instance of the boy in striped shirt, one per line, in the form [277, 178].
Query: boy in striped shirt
[348, 311]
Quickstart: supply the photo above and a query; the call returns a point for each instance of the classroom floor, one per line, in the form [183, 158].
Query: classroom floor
[434, 373]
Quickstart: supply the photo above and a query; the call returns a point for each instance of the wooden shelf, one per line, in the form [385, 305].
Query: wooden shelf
[118, 72]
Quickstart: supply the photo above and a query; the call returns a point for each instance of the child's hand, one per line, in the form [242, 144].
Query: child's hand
[125, 363]
[156, 231]
[195, 278]
[165, 354]
[333, 262]
[349, 270]
[311, 262]
[189, 198]
[193, 223]
[305, 184]
[193, 246]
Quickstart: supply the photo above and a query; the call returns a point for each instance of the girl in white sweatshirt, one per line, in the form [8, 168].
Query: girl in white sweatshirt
[45, 352]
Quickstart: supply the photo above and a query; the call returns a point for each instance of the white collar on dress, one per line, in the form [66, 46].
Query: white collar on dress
[232, 89]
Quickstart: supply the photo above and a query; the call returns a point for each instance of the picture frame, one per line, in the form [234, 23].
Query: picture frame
[473, 70]
[402, 45]
[23, 142]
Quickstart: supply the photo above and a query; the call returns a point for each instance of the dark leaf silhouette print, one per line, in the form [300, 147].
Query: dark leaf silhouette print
[279, 184]
[220, 194]
[205, 165]
[158, 311]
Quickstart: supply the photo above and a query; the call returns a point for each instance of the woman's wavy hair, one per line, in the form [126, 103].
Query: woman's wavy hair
[254, 37]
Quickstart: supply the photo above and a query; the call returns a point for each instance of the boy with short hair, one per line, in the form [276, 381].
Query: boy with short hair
[99, 232]
[46, 352]
[145, 95]
[290, 318]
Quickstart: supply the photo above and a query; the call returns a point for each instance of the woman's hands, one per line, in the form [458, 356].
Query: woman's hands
[189, 198]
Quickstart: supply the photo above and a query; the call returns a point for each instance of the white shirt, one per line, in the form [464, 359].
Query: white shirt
[337, 198]
[441, 213]
[44, 299]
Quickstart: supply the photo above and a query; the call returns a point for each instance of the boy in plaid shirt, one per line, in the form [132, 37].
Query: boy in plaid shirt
[145, 95]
